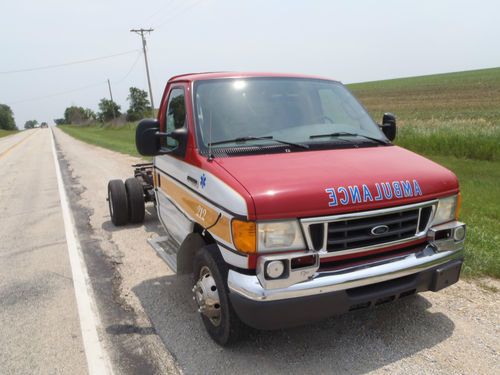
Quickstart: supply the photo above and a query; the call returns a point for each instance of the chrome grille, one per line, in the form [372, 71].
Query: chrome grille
[348, 233]
[353, 233]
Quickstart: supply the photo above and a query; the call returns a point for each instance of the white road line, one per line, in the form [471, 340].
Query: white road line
[97, 359]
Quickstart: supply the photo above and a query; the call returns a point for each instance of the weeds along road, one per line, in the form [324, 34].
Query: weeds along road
[148, 320]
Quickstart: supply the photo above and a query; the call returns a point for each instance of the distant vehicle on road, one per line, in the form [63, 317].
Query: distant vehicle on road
[44, 125]
[287, 202]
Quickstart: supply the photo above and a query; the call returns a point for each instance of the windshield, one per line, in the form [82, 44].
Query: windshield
[248, 112]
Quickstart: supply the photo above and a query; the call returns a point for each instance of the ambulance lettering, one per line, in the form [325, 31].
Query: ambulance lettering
[342, 196]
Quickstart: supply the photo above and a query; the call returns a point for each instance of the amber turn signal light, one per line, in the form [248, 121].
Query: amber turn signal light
[458, 207]
[244, 236]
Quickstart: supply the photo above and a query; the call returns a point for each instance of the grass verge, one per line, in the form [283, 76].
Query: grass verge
[120, 139]
[5, 133]
[479, 186]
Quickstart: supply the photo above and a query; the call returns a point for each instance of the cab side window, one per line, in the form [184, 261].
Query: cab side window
[176, 113]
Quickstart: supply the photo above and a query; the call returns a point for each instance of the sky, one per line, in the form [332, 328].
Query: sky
[351, 41]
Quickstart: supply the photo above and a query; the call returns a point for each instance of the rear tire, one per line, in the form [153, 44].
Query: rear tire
[223, 326]
[135, 198]
[117, 200]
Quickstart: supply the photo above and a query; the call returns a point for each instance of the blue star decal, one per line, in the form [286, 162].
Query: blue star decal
[203, 180]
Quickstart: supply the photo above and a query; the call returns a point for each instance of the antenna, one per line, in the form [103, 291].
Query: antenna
[210, 155]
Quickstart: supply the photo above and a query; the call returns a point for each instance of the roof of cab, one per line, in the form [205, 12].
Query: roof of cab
[189, 77]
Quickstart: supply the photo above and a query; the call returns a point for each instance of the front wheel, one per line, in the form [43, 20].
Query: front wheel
[211, 294]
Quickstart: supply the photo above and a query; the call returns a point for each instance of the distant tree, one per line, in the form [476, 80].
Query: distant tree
[139, 104]
[78, 115]
[60, 121]
[90, 114]
[108, 110]
[7, 118]
[74, 115]
[30, 124]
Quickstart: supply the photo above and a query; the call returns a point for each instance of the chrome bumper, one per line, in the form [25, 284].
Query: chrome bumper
[330, 281]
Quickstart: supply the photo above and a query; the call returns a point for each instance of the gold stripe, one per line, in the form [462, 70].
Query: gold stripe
[155, 181]
[203, 214]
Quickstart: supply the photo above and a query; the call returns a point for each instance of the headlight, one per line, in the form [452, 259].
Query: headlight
[251, 237]
[446, 210]
[283, 235]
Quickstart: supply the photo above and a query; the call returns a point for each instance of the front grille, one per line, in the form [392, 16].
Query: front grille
[351, 234]
[357, 231]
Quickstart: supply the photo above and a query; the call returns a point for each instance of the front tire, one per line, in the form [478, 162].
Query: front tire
[117, 201]
[212, 296]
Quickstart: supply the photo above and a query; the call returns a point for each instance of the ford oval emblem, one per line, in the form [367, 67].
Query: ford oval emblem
[379, 229]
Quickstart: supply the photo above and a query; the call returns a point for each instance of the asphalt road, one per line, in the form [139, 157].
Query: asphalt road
[40, 331]
[149, 321]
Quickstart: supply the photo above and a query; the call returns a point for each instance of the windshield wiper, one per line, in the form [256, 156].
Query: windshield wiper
[341, 134]
[251, 138]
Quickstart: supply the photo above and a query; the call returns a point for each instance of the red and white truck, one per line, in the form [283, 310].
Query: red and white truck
[287, 202]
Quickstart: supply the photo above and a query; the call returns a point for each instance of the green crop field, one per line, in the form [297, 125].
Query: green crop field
[452, 118]
[456, 114]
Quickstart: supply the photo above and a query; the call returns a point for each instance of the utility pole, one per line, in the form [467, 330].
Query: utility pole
[112, 102]
[141, 33]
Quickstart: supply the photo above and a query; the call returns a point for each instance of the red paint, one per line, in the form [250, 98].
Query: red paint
[292, 185]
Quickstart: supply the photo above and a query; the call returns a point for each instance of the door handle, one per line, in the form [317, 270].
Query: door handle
[192, 181]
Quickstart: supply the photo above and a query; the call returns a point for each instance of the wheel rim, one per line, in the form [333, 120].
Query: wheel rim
[206, 295]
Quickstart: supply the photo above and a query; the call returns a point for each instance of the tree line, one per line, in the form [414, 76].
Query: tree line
[109, 110]
[7, 118]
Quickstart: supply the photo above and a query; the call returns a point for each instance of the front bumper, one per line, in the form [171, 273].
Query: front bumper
[335, 292]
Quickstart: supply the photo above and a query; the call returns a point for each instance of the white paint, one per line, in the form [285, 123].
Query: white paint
[215, 189]
[177, 225]
[97, 360]
[232, 258]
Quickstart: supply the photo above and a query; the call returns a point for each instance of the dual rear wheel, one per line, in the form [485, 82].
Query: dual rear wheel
[126, 201]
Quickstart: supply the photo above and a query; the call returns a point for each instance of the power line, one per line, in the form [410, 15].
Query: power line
[59, 93]
[68, 63]
[81, 88]
[163, 7]
[181, 12]
[130, 70]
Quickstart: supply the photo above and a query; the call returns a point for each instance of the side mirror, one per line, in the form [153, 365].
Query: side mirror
[388, 126]
[148, 139]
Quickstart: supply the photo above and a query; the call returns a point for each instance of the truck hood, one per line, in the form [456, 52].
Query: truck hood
[319, 183]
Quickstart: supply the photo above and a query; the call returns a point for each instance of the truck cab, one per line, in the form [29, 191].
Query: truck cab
[289, 204]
